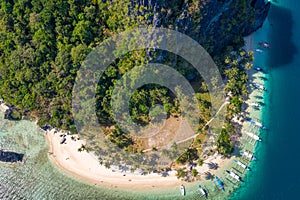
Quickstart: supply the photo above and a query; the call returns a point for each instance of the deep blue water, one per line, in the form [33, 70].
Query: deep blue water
[276, 173]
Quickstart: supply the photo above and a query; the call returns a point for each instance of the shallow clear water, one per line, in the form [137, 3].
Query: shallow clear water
[276, 174]
[37, 178]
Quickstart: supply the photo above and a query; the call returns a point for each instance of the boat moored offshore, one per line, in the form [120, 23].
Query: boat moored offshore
[219, 184]
[235, 176]
[182, 190]
[253, 136]
[264, 44]
[202, 192]
[258, 124]
[258, 86]
[248, 155]
[241, 164]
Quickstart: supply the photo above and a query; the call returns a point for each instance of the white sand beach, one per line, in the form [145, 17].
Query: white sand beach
[85, 166]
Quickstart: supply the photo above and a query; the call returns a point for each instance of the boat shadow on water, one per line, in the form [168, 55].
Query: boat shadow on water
[8, 156]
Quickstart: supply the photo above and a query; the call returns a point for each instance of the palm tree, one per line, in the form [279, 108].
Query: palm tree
[107, 164]
[194, 172]
[209, 176]
[181, 173]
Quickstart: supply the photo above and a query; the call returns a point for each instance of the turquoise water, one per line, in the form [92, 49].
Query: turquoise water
[38, 179]
[276, 173]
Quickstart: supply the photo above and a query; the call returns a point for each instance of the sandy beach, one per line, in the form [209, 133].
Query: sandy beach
[85, 166]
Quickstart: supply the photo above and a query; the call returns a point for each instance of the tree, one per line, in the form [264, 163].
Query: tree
[188, 156]
[107, 164]
[181, 173]
[200, 162]
[194, 172]
[224, 145]
[83, 32]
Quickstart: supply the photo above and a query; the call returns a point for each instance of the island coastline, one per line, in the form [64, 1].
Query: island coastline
[67, 158]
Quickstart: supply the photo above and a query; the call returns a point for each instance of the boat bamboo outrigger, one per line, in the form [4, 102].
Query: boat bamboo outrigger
[259, 50]
[248, 155]
[254, 104]
[202, 192]
[241, 164]
[264, 44]
[256, 124]
[219, 184]
[235, 176]
[258, 69]
[253, 136]
[258, 86]
[182, 190]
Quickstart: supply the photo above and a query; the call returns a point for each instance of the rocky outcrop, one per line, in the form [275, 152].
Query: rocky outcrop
[213, 23]
[8, 156]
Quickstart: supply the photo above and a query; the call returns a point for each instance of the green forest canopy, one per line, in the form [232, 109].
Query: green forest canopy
[43, 43]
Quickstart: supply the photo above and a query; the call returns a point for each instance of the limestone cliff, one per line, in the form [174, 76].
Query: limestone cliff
[213, 23]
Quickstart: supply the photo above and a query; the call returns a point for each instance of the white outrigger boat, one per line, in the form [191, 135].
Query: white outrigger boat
[248, 155]
[258, 86]
[258, 69]
[254, 104]
[259, 50]
[264, 44]
[202, 192]
[242, 165]
[252, 135]
[256, 123]
[182, 190]
[233, 175]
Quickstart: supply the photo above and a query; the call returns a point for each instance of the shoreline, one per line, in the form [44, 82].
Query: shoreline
[67, 158]
[83, 166]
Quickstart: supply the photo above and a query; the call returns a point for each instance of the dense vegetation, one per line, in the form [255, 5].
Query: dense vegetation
[43, 43]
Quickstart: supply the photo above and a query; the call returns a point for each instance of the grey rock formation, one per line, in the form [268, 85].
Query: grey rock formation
[213, 23]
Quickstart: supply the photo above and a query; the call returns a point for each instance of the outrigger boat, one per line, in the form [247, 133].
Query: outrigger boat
[258, 69]
[252, 135]
[182, 190]
[202, 191]
[219, 184]
[259, 50]
[233, 175]
[257, 124]
[258, 86]
[264, 44]
[241, 164]
[254, 104]
[248, 155]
